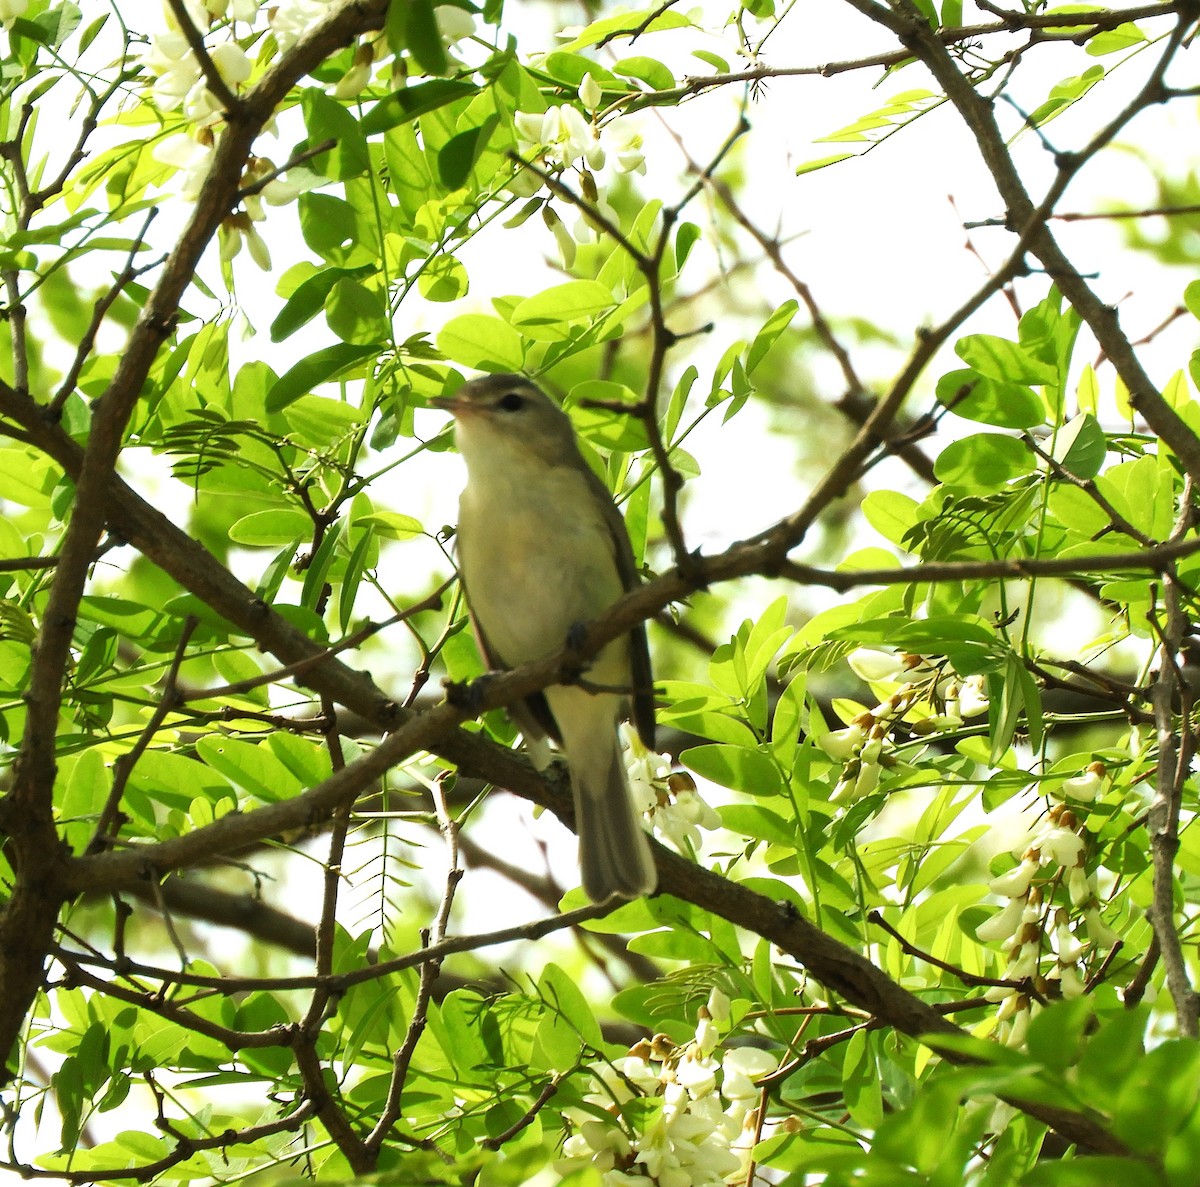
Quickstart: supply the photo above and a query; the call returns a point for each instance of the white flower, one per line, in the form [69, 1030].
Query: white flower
[841, 744]
[873, 665]
[681, 820]
[1069, 946]
[622, 138]
[191, 157]
[590, 93]
[873, 746]
[718, 1005]
[698, 1076]
[238, 228]
[1020, 1027]
[1079, 886]
[287, 187]
[454, 23]
[858, 781]
[353, 82]
[10, 10]
[561, 129]
[232, 63]
[562, 237]
[1016, 882]
[1085, 787]
[291, 19]
[175, 70]
[1098, 931]
[1063, 845]
[1024, 963]
[973, 697]
[1068, 977]
[741, 1066]
[1003, 924]
[706, 1034]
[647, 771]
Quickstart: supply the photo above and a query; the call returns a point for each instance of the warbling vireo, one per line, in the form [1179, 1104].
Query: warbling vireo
[542, 548]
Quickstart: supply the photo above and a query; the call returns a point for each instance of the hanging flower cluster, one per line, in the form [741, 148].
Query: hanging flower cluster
[696, 1121]
[926, 699]
[676, 809]
[1047, 944]
[565, 138]
[179, 84]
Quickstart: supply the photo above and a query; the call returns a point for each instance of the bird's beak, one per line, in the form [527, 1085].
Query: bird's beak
[456, 406]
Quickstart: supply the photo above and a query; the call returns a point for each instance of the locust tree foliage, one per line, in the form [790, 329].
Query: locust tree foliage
[915, 502]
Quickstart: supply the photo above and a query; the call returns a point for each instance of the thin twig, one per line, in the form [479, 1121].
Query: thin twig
[107, 824]
[99, 311]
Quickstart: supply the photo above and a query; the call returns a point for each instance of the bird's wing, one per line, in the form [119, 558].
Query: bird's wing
[641, 675]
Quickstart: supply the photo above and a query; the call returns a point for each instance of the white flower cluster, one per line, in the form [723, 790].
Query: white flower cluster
[566, 136]
[563, 137]
[702, 1126]
[926, 698]
[179, 82]
[676, 809]
[1038, 939]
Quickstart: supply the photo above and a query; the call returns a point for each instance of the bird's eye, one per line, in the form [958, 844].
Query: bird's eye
[511, 402]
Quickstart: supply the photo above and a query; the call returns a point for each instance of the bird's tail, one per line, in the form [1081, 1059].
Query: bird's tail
[614, 852]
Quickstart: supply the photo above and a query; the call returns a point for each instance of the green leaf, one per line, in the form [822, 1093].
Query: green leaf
[254, 768]
[984, 461]
[719, 64]
[977, 397]
[317, 368]
[573, 301]
[482, 342]
[823, 162]
[357, 312]
[391, 525]
[562, 993]
[1159, 1097]
[649, 70]
[411, 25]
[753, 820]
[1057, 1036]
[737, 767]
[457, 157]
[1191, 298]
[319, 564]
[998, 358]
[861, 1081]
[353, 578]
[1081, 446]
[325, 119]
[443, 279]
[772, 328]
[262, 528]
[890, 513]
[686, 238]
[308, 299]
[407, 103]
[608, 28]
[1111, 41]
[319, 420]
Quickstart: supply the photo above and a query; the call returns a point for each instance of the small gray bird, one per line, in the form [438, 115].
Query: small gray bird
[542, 548]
